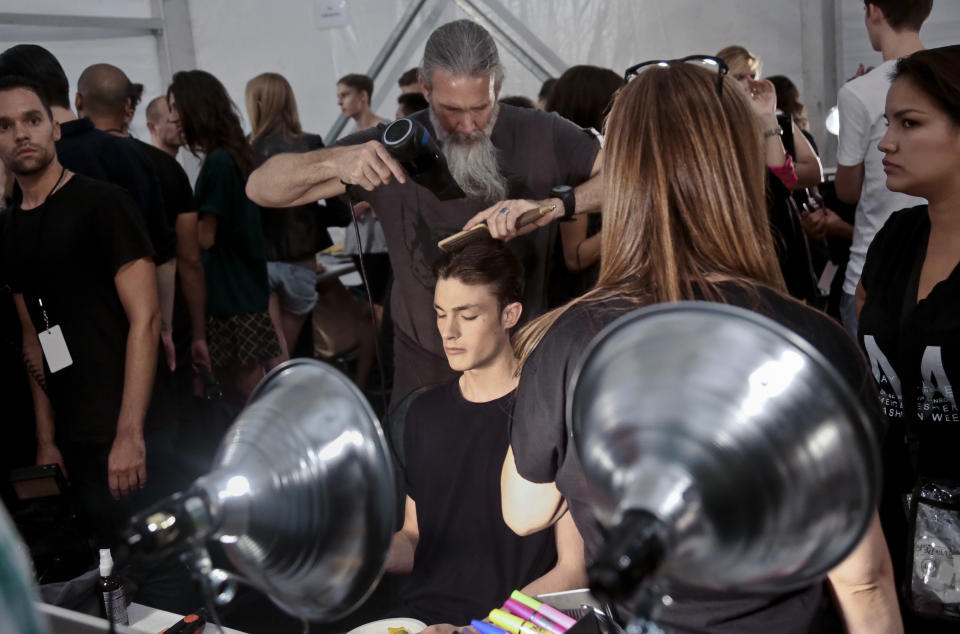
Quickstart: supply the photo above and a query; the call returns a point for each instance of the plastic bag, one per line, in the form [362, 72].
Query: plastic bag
[934, 584]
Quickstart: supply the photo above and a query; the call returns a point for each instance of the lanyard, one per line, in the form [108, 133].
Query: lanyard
[40, 228]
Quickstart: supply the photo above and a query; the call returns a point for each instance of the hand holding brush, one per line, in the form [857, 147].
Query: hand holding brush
[461, 238]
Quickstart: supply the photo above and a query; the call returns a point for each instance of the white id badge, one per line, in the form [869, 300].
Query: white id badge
[826, 279]
[55, 349]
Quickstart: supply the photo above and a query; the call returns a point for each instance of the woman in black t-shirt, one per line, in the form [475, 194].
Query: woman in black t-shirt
[684, 218]
[909, 290]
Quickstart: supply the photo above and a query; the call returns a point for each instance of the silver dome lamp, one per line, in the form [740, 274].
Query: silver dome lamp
[722, 451]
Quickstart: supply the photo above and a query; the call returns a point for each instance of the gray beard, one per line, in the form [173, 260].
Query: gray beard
[472, 159]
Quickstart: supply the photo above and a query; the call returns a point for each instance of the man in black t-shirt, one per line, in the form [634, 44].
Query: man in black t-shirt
[81, 267]
[516, 156]
[107, 97]
[85, 150]
[462, 558]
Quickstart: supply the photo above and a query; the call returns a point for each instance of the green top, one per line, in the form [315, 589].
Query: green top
[236, 265]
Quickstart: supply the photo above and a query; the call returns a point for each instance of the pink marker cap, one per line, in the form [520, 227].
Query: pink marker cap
[557, 616]
[521, 610]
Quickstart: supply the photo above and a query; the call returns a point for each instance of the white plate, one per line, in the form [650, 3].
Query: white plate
[380, 627]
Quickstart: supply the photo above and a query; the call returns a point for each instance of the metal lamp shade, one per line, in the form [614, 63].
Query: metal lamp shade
[732, 431]
[302, 492]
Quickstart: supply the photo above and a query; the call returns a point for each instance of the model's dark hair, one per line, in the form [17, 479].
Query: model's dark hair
[409, 77]
[518, 101]
[358, 82]
[411, 102]
[935, 71]
[788, 96]
[209, 118]
[12, 82]
[903, 14]
[488, 262]
[583, 94]
[38, 65]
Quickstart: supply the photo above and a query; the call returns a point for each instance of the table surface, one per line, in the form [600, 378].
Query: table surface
[151, 621]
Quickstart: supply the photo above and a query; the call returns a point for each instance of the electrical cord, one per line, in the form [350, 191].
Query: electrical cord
[373, 313]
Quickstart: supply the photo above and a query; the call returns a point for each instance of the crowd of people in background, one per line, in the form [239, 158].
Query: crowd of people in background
[136, 298]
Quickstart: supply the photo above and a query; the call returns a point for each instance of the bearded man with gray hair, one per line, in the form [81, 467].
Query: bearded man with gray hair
[506, 159]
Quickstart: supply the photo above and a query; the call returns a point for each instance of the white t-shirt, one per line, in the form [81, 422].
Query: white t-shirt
[861, 104]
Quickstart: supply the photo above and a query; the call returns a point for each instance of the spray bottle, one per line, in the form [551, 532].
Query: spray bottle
[113, 599]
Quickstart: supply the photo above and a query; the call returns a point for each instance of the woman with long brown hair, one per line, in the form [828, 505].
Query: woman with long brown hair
[684, 218]
[240, 334]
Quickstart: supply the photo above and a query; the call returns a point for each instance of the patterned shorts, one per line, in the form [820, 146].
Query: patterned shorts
[242, 339]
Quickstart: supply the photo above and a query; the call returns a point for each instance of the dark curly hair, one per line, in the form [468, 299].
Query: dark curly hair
[209, 118]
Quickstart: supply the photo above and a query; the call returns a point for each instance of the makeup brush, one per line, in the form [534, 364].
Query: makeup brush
[461, 238]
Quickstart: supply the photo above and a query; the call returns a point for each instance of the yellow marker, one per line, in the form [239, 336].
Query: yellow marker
[514, 624]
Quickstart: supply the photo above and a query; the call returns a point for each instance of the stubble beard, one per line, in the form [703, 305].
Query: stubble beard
[32, 165]
[472, 160]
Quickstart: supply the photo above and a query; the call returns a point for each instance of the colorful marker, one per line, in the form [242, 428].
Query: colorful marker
[514, 624]
[548, 611]
[527, 613]
[486, 628]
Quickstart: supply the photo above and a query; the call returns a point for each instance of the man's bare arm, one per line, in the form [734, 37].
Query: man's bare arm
[849, 182]
[136, 285]
[47, 451]
[404, 545]
[166, 280]
[287, 180]
[193, 283]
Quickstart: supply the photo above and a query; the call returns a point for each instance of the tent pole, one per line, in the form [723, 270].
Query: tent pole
[381, 59]
[503, 38]
[529, 38]
[416, 39]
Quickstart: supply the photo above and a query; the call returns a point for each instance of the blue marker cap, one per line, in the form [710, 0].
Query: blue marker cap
[486, 628]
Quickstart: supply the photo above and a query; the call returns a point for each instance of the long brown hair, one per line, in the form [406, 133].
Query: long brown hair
[683, 195]
[271, 104]
[210, 119]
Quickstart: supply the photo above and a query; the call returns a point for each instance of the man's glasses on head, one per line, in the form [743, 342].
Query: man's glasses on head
[713, 64]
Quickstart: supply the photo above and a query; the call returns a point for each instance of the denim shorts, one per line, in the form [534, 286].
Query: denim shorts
[296, 286]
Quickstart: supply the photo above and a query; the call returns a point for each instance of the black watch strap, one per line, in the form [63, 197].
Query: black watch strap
[565, 194]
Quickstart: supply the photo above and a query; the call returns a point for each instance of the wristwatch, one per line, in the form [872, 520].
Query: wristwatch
[565, 194]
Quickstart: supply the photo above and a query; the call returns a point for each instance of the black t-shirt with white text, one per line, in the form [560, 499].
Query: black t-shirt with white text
[65, 254]
[545, 452]
[467, 559]
[913, 347]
